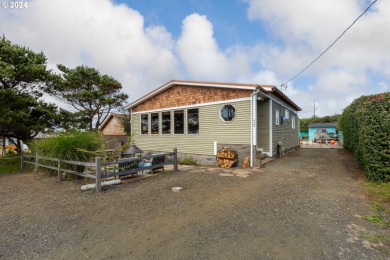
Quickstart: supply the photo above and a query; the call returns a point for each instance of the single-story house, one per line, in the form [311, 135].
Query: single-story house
[319, 131]
[113, 130]
[199, 118]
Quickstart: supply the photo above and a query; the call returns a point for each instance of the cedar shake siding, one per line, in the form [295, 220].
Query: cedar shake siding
[113, 127]
[179, 95]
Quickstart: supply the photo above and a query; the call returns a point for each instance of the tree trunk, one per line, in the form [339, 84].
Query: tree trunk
[3, 147]
[18, 147]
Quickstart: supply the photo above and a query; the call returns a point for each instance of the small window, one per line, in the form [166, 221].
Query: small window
[286, 114]
[154, 124]
[144, 124]
[166, 122]
[179, 122]
[293, 122]
[193, 121]
[228, 113]
[277, 117]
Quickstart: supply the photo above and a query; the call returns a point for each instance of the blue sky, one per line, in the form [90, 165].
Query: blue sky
[144, 44]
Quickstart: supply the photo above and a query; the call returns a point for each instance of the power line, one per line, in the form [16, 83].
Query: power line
[158, 37]
[311, 63]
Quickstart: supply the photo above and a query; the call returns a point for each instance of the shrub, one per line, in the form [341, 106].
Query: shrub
[188, 161]
[366, 129]
[73, 146]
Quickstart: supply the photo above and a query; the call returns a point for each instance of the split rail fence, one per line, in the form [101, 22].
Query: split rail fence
[102, 170]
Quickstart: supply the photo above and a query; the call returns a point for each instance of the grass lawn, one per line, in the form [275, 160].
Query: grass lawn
[9, 164]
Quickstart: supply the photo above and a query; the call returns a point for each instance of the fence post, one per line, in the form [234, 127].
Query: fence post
[175, 159]
[21, 161]
[98, 174]
[58, 170]
[36, 163]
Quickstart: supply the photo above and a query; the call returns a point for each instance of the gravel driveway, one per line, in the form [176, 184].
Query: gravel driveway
[307, 205]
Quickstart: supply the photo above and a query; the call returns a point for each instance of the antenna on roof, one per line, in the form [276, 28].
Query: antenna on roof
[284, 85]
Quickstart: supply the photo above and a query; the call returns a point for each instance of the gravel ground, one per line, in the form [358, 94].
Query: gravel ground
[307, 205]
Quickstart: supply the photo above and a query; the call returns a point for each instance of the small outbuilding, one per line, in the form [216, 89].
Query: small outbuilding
[113, 130]
[322, 131]
[200, 118]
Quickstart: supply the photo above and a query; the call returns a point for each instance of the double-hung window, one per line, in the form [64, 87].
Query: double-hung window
[178, 117]
[193, 121]
[166, 122]
[144, 124]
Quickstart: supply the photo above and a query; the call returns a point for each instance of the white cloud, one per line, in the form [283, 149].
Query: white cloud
[96, 33]
[306, 28]
[202, 57]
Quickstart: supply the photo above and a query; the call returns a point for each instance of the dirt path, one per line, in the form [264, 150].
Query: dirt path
[306, 205]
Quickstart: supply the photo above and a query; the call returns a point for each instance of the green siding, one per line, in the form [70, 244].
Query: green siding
[211, 128]
[263, 125]
[285, 132]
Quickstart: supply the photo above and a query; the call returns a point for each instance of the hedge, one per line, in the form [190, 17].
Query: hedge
[366, 129]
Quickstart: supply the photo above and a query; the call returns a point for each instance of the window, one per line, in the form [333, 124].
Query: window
[193, 121]
[144, 124]
[286, 114]
[166, 122]
[228, 112]
[154, 124]
[277, 117]
[293, 122]
[179, 122]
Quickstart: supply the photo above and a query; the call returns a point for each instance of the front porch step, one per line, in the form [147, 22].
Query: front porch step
[263, 159]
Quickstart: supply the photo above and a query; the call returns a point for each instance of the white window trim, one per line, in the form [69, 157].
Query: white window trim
[293, 122]
[277, 117]
[286, 113]
[140, 120]
[235, 113]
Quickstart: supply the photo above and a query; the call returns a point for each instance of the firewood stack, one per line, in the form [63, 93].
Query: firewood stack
[226, 157]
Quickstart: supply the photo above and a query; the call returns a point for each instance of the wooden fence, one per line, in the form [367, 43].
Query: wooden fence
[103, 170]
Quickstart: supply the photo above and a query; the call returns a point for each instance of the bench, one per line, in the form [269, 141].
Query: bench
[134, 167]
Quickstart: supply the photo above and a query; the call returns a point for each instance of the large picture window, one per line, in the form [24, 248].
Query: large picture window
[179, 122]
[166, 122]
[193, 121]
[228, 113]
[155, 124]
[144, 124]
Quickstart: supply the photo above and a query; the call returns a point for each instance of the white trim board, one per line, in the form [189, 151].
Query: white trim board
[183, 83]
[194, 105]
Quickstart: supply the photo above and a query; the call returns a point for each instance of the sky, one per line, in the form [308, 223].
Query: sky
[146, 43]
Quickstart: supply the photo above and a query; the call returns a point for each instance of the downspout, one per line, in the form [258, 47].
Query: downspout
[253, 123]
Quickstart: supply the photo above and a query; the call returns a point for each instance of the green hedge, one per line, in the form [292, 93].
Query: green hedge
[366, 129]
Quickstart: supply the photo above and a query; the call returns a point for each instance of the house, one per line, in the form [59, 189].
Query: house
[319, 131]
[113, 130]
[199, 118]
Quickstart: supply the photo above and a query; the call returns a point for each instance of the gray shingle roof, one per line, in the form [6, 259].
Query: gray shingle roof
[320, 125]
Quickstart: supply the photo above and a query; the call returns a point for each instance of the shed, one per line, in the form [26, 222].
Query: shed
[319, 131]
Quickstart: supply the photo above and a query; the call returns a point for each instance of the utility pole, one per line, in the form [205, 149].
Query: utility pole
[314, 116]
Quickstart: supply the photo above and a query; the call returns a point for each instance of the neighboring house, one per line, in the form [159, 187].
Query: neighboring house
[199, 118]
[113, 131]
[319, 131]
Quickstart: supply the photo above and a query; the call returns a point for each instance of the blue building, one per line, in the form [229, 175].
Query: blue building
[319, 131]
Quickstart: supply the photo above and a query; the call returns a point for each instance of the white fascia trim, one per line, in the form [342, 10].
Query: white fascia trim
[281, 103]
[194, 105]
[170, 84]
